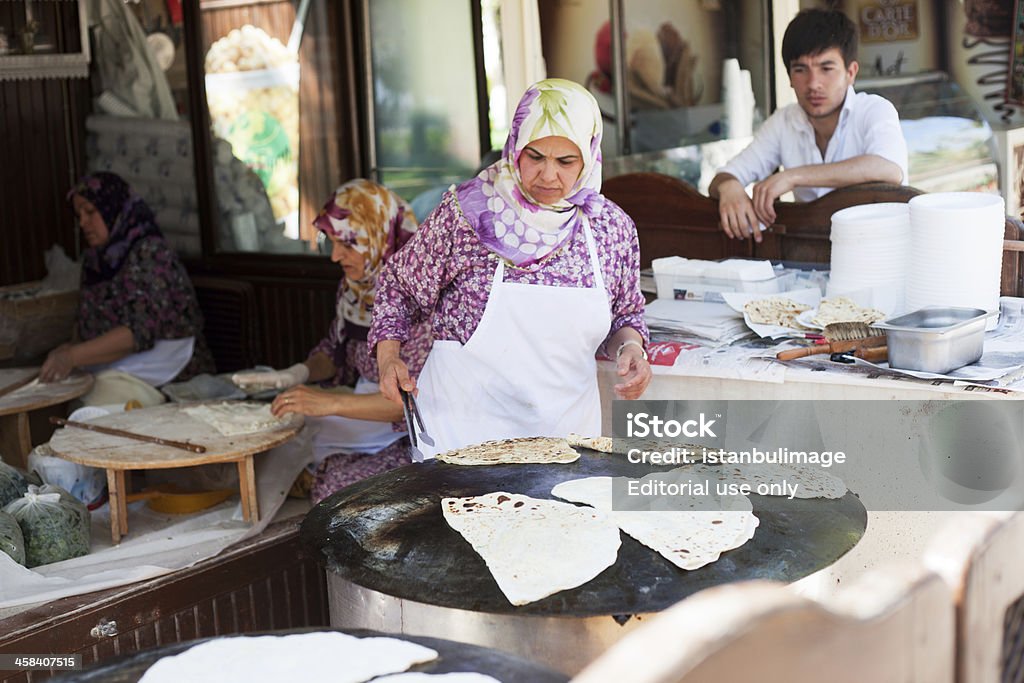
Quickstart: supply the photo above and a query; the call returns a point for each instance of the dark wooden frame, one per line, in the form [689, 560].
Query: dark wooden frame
[672, 218]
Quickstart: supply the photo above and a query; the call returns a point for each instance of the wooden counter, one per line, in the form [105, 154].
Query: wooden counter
[264, 583]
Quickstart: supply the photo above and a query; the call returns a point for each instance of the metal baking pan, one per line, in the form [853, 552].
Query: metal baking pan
[936, 339]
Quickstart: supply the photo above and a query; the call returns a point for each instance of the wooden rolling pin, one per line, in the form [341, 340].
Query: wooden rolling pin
[195, 448]
[833, 347]
[11, 388]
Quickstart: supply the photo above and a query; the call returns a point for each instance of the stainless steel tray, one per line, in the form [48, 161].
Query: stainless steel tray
[936, 339]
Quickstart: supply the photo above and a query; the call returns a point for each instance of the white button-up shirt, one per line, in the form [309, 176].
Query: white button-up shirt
[868, 124]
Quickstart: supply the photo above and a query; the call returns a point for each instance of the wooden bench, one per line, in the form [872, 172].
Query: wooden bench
[672, 218]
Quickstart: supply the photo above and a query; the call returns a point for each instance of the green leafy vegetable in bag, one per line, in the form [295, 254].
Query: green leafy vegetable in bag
[54, 523]
[11, 540]
[12, 484]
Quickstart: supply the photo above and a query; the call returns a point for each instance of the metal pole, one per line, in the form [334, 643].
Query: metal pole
[371, 134]
[622, 118]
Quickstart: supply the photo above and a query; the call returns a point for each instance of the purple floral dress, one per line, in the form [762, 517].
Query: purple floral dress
[446, 271]
[353, 359]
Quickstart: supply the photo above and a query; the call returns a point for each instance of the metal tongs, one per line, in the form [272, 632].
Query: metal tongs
[412, 420]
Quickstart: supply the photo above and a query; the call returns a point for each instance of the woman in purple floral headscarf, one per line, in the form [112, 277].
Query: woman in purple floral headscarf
[525, 271]
[137, 310]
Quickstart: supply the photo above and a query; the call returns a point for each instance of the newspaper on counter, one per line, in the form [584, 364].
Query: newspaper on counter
[710, 321]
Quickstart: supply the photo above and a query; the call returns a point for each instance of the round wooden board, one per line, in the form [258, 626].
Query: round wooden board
[167, 421]
[35, 395]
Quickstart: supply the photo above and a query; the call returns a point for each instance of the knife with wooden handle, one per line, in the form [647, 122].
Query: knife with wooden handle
[832, 347]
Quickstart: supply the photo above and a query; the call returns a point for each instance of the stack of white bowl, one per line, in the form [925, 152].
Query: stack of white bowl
[956, 250]
[871, 247]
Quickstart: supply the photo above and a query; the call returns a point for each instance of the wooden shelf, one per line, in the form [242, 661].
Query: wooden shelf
[22, 67]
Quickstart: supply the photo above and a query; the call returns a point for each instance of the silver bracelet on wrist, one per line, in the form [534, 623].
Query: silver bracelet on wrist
[628, 342]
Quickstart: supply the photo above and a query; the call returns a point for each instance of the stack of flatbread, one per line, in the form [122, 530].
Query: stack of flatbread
[534, 547]
[534, 449]
[840, 309]
[775, 310]
[684, 534]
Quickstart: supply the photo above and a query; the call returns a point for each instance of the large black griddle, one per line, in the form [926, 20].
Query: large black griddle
[387, 533]
[452, 657]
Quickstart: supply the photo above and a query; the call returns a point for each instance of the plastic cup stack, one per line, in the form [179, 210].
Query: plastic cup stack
[737, 100]
[871, 248]
[956, 251]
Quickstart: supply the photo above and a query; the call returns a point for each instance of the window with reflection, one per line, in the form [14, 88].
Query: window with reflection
[274, 139]
[139, 126]
[426, 107]
[696, 76]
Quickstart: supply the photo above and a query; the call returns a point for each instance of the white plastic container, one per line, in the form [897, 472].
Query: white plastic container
[698, 280]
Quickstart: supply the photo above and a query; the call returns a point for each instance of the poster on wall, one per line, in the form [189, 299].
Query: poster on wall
[1015, 80]
[981, 36]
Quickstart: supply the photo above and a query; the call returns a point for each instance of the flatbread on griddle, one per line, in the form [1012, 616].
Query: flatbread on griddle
[451, 677]
[688, 538]
[534, 548]
[533, 449]
[602, 444]
[812, 482]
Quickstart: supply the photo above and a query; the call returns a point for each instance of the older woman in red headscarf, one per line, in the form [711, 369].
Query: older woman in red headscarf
[358, 431]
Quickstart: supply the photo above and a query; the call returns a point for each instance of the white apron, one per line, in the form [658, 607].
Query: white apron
[338, 434]
[527, 370]
[156, 366]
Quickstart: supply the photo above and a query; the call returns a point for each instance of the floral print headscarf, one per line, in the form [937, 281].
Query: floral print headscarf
[128, 219]
[506, 218]
[374, 221]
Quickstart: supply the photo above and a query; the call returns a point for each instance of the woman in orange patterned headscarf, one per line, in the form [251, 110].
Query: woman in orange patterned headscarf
[359, 433]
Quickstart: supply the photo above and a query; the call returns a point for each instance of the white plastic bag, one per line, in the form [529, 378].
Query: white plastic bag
[87, 484]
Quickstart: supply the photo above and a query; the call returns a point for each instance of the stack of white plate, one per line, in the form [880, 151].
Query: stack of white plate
[956, 250]
[870, 251]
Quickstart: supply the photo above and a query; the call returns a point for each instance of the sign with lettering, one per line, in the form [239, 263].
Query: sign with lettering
[883, 21]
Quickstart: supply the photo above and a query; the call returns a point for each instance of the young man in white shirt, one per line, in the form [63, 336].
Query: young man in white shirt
[832, 137]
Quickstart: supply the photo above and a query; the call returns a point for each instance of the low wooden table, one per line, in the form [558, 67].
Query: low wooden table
[15, 433]
[117, 454]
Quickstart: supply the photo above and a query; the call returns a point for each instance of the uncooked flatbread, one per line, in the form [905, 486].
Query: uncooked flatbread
[595, 443]
[533, 449]
[321, 656]
[812, 482]
[534, 547]
[232, 418]
[774, 310]
[453, 677]
[689, 539]
[840, 309]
